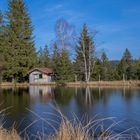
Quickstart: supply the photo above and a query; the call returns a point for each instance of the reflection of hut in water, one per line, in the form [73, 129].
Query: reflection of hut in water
[41, 92]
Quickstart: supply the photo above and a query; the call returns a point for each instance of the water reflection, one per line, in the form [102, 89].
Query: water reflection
[15, 98]
[122, 103]
[42, 93]
[39, 90]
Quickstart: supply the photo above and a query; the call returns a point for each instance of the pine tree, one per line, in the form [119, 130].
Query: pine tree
[22, 54]
[55, 58]
[85, 55]
[104, 67]
[1, 38]
[136, 66]
[43, 57]
[79, 65]
[125, 65]
[3, 45]
[64, 72]
[138, 70]
[96, 75]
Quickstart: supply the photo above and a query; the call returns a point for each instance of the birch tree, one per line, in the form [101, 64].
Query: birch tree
[85, 55]
[64, 33]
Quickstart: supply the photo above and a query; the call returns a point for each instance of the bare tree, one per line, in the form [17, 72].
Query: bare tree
[64, 33]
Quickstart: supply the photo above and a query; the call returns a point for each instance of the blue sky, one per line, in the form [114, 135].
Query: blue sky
[117, 21]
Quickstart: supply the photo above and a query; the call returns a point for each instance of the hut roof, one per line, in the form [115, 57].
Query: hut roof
[42, 70]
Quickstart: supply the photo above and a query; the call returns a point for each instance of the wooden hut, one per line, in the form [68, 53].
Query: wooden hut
[40, 76]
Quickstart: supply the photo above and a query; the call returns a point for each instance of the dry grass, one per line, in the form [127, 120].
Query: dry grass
[75, 130]
[129, 83]
[10, 84]
[9, 135]
[68, 132]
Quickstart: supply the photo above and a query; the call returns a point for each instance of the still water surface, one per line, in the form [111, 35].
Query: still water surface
[37, 106]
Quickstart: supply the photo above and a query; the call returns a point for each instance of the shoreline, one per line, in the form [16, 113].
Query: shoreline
[80, 84]
[107, 84]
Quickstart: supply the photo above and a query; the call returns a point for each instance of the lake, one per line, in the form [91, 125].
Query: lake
[33, 110]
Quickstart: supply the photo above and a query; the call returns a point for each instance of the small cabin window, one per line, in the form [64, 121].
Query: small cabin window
[40, 76]
[36, 76]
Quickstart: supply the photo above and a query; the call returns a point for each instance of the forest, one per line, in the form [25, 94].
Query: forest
[72, 57]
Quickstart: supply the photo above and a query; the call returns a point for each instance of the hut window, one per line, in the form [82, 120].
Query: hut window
[36, 76]
[40, 76]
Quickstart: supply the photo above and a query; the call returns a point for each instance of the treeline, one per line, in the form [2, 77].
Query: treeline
[72, 58]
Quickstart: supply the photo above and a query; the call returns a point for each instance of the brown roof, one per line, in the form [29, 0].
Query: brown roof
[43, 70]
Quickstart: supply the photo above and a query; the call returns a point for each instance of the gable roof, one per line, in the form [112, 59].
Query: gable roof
[42, 70]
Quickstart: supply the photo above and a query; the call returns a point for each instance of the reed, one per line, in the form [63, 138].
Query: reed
[9, 135]
[74, 130]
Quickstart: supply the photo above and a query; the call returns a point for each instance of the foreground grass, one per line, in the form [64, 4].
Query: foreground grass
[9, 135]
[75, 130]
[68, 131]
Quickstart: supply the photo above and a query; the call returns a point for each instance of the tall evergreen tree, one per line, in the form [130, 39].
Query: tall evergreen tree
[104, 67]
[55, 58]
[96, 75]
[85, 55]
[79, 65]
[2, 40]
[22, 54]
[2, 63]
[137, 69]
[125, 65]
[1, 37]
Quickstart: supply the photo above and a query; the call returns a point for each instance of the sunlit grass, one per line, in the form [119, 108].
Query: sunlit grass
[9, 135]
[75, 129]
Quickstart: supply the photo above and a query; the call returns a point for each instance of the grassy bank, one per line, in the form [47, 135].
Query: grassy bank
[10, 84]
[130, 83]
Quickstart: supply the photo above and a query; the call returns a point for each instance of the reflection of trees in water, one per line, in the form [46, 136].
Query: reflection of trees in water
[137, 93]
[21, 98]
[127, 94]
[63, 95]
[87, 96]
[16, 98]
